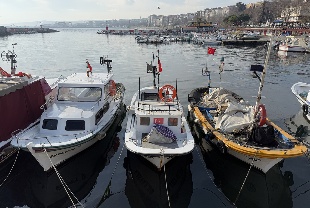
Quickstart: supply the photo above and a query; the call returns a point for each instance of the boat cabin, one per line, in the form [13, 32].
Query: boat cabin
[80, 104]
[150, 110]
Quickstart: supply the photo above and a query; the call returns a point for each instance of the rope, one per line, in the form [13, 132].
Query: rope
[62, 181]
[11, 168]
[213, 180]
[246, 177]
[166, 181]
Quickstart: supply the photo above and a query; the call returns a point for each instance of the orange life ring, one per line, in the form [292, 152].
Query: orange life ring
[112, 88]
[263, 113]
[167, 87]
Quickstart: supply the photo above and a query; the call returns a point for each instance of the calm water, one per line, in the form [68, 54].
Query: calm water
[106, 175]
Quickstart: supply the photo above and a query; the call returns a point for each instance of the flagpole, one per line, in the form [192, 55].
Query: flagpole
[259, 96]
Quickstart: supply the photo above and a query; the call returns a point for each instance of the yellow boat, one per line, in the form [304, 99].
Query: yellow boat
[223, 124]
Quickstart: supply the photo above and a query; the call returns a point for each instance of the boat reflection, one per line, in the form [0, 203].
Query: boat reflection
[259, 191]
[44, 189]
[290, 58]
[299, 125]
[146, 186]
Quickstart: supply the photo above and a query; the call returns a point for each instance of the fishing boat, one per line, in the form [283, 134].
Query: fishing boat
[301, 91]
[239, 129]
[85, 107]
[294, 44]
[21, 95]
[156, 127]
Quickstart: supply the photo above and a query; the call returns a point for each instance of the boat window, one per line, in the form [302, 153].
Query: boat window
[145, 121]
[101, 112]
[172, 121]
[149, 96]
[79, 94]
[106, 90]
[75, 125]
[50, 124]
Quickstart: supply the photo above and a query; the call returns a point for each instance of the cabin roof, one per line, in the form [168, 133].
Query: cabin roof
[81, 79]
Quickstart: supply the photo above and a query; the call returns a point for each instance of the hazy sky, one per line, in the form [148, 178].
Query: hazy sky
[14, 11]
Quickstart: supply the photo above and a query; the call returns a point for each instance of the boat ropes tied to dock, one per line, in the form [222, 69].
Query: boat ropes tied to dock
[243, 131]
[85, 106]
[156, 126]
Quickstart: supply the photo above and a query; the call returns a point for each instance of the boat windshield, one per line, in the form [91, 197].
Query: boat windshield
[79, 94]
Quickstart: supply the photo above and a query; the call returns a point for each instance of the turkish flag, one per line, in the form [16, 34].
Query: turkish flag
[211, 50]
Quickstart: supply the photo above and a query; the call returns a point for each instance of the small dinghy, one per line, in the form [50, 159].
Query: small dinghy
[85, 107]
[229, 122]
[156, 126]
[301, 91]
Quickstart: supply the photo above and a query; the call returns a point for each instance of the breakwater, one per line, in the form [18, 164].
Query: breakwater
[4, 31]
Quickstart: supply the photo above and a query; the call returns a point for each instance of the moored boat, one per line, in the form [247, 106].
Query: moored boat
[85, 107]
[229, 122]
[21, 96]
[156, 126]
[294, 44]
[301, 91]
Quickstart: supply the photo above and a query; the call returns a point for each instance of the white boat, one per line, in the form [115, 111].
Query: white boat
[294, 44]
[301, 91]
[156, 126]
[17, 88]
[85, 106]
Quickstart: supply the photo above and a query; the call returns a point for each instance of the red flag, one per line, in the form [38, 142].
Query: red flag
[159, 64]
[211, 50]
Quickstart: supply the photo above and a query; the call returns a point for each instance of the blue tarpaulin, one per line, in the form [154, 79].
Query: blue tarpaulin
[278, 21]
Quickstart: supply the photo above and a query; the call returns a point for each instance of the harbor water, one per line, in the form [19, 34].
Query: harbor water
[106, 175]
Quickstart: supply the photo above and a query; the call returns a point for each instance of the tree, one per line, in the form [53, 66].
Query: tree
[241, 6]
[237, 20]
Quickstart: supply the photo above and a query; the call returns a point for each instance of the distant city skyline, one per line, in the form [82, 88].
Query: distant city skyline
[22, 11]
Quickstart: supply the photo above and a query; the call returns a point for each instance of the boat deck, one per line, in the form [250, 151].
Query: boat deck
[150, 145]
[8, 86]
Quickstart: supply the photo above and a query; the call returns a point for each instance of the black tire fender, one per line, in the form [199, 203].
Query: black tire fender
[221, 146]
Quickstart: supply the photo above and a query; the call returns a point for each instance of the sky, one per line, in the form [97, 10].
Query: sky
[17, 11]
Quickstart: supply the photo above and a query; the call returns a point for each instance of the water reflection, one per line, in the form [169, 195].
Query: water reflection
[298, 125]
[146, 187]
[259, 191]
[38, 188]
[291, 58]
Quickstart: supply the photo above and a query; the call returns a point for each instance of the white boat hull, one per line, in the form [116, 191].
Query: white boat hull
[264, 164]
[292, 48]
[158, 157]
[53, 156]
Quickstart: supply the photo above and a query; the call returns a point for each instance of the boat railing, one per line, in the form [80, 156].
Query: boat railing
[50, 100]
[132, 121]
[61, 77]
[179, 107]
[14, 134]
